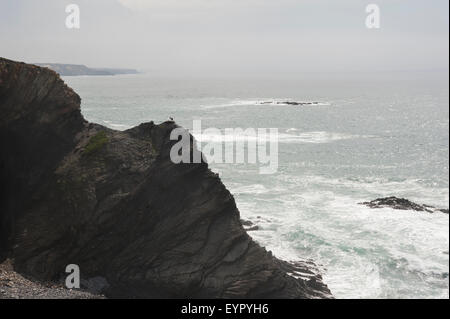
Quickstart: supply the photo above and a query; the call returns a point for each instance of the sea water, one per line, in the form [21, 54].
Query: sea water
[371, 135]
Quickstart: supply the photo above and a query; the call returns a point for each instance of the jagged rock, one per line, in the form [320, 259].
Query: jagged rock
[246, 223]
[402, 204]
[249, 226]
[112, 202]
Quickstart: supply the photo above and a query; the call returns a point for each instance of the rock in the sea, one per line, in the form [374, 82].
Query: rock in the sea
[402, 204]
[112, 202]
[249, 226]
[298, 103]
[288, 103]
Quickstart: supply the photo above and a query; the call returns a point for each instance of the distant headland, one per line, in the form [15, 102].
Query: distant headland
[78, 69]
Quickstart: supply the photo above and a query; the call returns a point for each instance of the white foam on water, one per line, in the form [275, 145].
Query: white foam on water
[403, 247]
[265, 102]
[412, 189]
[317, 137]
[361, 252]
[117, 126]
[254, 189]
[231, 104]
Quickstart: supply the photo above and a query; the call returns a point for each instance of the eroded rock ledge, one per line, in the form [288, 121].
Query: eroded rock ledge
[112, 202]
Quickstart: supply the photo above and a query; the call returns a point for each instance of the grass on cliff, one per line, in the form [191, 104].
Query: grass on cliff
[97, 142]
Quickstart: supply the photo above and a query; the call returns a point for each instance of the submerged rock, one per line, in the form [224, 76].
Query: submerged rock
[402, 204]
[113, 203]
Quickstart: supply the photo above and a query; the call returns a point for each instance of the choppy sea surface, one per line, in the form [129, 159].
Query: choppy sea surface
[371, 135]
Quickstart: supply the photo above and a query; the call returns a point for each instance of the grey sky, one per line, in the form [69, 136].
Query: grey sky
[213, 36]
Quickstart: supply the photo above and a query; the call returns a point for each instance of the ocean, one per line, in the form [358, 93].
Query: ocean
[371, 135]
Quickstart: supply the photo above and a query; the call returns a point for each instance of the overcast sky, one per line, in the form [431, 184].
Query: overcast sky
[210, 36]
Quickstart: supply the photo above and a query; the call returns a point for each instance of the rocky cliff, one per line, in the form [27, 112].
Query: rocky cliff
[73, 192]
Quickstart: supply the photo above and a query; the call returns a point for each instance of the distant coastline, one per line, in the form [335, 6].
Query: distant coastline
[78, 69]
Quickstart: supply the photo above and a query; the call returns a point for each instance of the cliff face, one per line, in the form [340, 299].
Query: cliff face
[112, 202]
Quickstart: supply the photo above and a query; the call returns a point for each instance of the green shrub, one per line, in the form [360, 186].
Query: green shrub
[96, 143]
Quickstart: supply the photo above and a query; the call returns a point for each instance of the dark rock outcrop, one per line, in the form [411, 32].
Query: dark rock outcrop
[112, 202]
[402, 204]
[298, 103]
[289, 103]
[249, 226]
